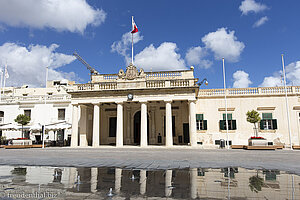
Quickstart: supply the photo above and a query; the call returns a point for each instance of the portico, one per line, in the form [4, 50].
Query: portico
[135, 108]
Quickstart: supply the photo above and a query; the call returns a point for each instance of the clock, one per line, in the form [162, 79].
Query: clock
[130, 96]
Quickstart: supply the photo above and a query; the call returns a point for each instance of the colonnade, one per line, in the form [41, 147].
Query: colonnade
[119, 128]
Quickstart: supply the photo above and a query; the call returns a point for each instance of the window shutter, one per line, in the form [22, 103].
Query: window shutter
[222, 124]
[199, 116]
[261, 123]
[229, 116]
[267, 115]
[204, 124]
[233, 124]
[274, 123]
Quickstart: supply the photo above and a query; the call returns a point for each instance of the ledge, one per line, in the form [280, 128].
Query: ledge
[267, 131]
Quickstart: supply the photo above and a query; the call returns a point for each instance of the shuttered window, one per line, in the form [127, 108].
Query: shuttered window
[201, 124]
[61, 114]
[267, 122]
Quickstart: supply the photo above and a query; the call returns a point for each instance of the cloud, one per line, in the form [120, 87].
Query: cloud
[292, 76]
[224, 45]
[122, 46]
[27, 65]
[241, 79]
[248, 6]
[194, 56]
[260, 22]
[163, 57]
[67, 15]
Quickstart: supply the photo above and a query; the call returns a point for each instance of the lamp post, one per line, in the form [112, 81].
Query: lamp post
[44, 126]
[226, 117]
[286, 102]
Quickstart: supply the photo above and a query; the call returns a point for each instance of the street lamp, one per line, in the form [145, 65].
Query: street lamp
[203, 81]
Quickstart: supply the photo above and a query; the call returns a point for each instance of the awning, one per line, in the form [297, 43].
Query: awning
[13, 127]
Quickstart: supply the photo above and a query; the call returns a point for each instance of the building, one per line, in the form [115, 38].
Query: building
[167, 108]
[141, 108]
[45, 106]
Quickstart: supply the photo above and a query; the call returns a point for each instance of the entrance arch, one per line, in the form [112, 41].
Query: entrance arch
[137, 128]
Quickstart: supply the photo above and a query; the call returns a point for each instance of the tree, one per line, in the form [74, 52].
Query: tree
[253, 117]
[23, 120]
[256, 183]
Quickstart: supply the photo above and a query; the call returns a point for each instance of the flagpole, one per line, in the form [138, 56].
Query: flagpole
[5, 72]
[226, 118]
[44, 129]
[132, 42]
[286, 102]
[1, 83]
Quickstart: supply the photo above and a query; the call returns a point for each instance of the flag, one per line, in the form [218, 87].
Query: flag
[6, 75]
[134, 26]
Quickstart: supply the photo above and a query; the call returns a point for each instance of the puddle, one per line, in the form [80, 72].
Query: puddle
[116, 183]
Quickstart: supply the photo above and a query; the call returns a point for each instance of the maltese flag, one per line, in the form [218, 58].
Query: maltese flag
[134, 27]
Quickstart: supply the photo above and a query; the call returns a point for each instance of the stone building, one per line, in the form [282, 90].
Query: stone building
[167, 108]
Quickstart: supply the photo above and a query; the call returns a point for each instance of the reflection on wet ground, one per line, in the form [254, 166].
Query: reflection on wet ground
[116, 183]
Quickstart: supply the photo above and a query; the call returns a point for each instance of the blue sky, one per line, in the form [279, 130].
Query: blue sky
[250, 34]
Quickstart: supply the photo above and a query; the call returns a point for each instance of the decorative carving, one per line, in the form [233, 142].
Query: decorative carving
[131, 72]
[121, 73]
[142, 73]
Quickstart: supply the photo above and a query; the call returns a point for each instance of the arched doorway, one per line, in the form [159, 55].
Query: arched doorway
[137, 128]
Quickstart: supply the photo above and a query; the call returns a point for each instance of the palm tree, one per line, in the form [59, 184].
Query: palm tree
[253, 117]
[23, 120]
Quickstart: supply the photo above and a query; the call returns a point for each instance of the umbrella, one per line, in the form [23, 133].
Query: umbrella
[12, 127]
[36, 127]
[59, 126]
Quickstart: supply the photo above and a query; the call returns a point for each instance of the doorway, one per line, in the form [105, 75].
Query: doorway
[137, 128]
[186, 133]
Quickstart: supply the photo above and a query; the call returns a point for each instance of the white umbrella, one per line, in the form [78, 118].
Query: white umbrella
[11, 127]
[59, 126]
[36, 127]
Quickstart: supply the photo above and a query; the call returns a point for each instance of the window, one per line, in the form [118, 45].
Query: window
[267, 122]
[1, 116]
[112, 126]
[62, 114]
[231, 122]
[201, 124]
[27, 113]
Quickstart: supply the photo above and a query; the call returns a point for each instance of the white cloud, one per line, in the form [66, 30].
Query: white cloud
[260, 22]
[248, 6]
[224, 44]
[27, 65]
[292, 76]
[241, 79]
[66, 15]
[195, 55]
[163, 57]
[122, 46]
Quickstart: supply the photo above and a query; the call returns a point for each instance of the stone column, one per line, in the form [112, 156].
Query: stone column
[153, 139]
[94, 179]
[119, 138]
[129, 139]
[74, 136]
[118, 180]
[96, 125]
[83, 126]
[72, 176]
[144, 124]
[193, 182]
[168, 183]
[192, 124]
[169, 133]
[143, 181]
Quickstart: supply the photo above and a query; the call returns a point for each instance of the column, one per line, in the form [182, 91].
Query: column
[129, 138]
[94, 179]
[153, 138]
[72, 176]
[144, 124]
[118, 180]
[168, 183]
[143, 181]
[192, 124]
[96, 126]
[193, 182]
[169, 133]
[74, 136]
[119, 138]
[83, 126]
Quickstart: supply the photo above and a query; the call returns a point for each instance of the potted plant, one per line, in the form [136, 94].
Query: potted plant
[253, 117]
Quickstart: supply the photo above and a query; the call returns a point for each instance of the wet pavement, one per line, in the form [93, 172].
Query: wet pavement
[153, 158]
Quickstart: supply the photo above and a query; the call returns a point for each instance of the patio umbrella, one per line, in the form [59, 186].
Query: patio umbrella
[11, 126]
[59, 126]
[36, 127]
